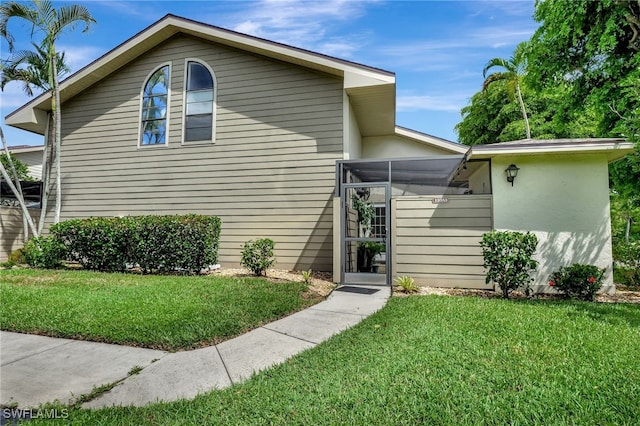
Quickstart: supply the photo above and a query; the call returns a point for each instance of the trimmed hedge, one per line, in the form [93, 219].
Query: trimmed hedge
[154, 243]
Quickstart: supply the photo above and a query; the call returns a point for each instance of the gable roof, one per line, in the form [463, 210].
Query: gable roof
[431, 140]
[614, 148]
[372, 90]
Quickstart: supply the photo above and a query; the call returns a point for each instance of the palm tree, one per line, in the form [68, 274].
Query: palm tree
[52, 23]
[31, 68]
[515, 68]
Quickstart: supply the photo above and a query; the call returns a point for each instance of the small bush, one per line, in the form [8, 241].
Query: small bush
[44, 252]
[578, 280]
[17, 257]
[257, 255]
[627, 266]
[407, 284]
[508, 259]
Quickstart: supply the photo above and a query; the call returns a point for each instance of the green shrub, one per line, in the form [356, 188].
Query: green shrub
[578, 280]
[166, 243]
[508, 259]
[97, 243]
[627, 265]
[17, 257]
[44, 252]
[407, 284]
[257, 255]
[155, 243]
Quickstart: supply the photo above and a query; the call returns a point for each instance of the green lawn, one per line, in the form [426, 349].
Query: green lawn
[439, 360]
[162, 312]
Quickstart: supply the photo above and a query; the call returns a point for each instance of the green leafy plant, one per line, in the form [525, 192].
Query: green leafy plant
[578, 280]
[508, 259]
[22, 169]
[367, 251]
[257, 255]
[366, 211]
[44, 252]
[407, 284]
[627, 265]
[306, 277]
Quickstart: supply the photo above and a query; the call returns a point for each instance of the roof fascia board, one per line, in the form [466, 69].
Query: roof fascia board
[26, 149]
[613, 150]
[430, 140]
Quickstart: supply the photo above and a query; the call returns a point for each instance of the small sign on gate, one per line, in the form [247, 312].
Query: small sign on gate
[440, 200]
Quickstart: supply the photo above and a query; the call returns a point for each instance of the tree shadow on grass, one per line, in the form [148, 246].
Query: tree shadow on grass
[612, 313]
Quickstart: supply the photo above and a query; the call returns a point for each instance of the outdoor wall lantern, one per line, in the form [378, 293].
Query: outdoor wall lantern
[512, 172]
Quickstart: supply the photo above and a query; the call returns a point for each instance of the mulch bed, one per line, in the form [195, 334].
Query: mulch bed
[620, 296]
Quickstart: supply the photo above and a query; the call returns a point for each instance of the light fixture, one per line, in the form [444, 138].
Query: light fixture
[512, 172]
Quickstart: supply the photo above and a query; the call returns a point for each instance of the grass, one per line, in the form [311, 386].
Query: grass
[160, 312]
[438, 360]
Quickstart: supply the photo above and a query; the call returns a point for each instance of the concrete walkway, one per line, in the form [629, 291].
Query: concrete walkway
[37, 369]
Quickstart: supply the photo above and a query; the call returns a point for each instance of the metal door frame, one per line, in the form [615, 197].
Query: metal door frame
[343, 226]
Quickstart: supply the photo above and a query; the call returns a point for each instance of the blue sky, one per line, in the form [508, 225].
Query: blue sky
[436, 48]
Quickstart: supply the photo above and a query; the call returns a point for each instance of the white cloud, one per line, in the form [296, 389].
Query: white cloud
[303, 24]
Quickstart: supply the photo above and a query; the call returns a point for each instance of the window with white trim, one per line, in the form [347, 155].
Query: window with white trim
[155, 102]
[199, 103]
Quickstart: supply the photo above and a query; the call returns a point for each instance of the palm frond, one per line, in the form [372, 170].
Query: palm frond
[15, 9]
[495, 62]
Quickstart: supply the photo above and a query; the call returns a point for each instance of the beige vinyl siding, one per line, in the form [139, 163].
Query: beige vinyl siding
[439, 244]
[270, 172]
[33, 160]
[12, 229]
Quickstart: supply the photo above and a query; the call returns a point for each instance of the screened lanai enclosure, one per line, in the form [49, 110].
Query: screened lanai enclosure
[420, 217]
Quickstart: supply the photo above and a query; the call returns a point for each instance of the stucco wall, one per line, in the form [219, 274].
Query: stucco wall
[396, 146]
[564, 200]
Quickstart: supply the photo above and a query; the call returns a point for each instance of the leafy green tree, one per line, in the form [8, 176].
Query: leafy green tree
[593, 49]
[515, 69]
[21, 168]
[492, 118]
[51, 23]
[484, 119]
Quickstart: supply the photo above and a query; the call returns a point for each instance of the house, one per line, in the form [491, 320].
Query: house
[31, 156]
[297, 146]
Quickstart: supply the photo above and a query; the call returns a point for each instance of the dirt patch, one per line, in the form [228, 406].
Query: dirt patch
[620, 296]
[320, 282]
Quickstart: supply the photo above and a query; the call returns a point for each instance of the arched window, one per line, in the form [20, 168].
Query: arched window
[199, 104]
[155, 102]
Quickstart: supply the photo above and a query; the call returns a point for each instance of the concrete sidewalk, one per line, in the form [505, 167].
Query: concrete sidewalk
[37, 369]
